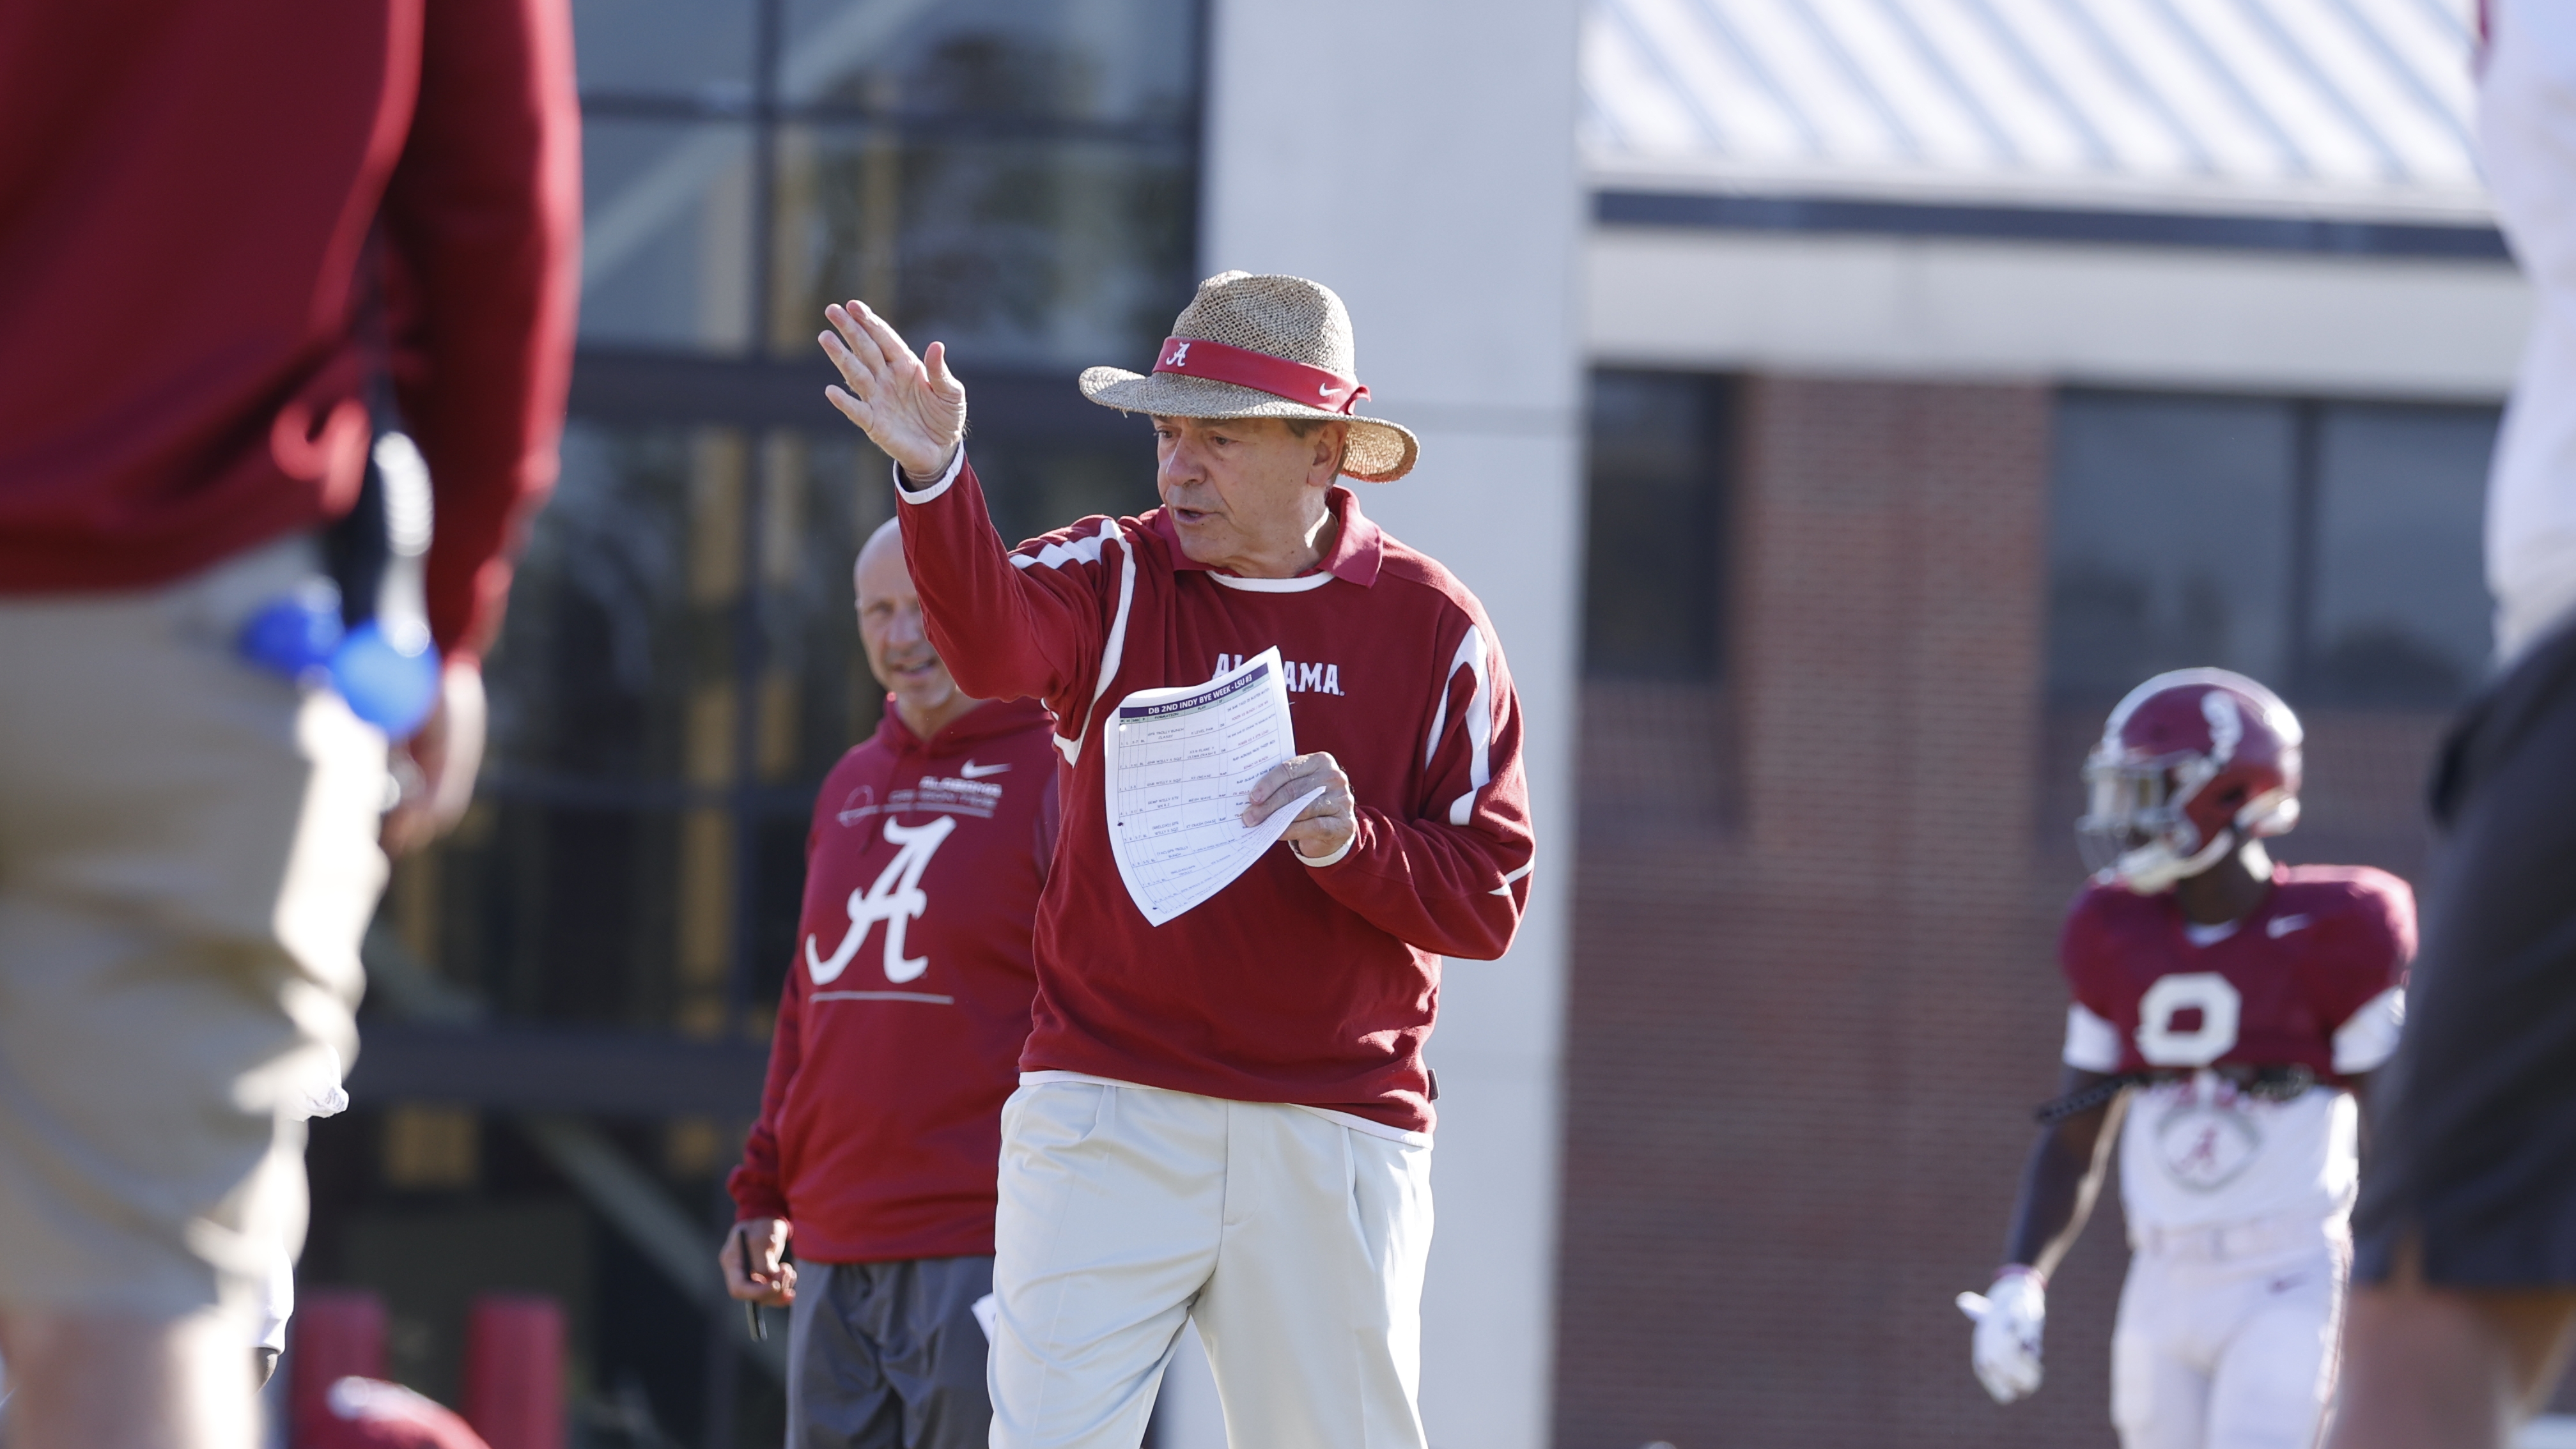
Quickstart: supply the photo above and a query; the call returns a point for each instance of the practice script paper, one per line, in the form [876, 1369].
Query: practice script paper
[1180, 767]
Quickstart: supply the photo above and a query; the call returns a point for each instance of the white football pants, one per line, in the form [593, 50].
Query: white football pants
[2217, 1353]
[1296, 1243]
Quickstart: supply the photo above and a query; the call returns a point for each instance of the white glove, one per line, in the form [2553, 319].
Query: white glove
[2009, 1317]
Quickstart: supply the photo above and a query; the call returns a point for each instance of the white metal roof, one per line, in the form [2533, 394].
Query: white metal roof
[2350, 107]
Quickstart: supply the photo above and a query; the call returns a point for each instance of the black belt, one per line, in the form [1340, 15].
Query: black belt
[2281, 1083]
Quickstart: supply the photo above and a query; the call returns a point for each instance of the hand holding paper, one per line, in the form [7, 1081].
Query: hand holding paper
[1327, 822]
[1182, 762]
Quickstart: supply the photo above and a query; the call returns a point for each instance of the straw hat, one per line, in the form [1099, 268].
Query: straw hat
[1262, 347]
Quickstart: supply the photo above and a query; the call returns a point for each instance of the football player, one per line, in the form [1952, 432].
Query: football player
[2225, 1011]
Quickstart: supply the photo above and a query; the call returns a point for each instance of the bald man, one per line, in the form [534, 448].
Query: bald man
[898, 1039]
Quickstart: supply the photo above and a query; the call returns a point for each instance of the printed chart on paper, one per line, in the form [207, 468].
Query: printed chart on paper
[1180, 766]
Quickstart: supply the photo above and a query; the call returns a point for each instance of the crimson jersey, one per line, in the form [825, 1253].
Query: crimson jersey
[1307, 983]
[2310, 978]
[2275, 991]
[900, 1026]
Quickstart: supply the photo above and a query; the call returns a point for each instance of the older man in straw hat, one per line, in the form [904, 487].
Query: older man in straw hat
[1226, 1117]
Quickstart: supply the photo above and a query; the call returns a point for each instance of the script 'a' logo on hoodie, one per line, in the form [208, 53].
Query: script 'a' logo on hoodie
[895, 897]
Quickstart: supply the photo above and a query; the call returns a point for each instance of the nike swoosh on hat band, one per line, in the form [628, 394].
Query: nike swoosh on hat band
[1316, 387]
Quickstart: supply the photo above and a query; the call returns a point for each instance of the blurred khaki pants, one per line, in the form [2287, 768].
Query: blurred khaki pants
[187, 860]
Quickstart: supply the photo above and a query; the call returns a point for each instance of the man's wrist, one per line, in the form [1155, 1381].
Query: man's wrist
[929, 481]
[1318, 862]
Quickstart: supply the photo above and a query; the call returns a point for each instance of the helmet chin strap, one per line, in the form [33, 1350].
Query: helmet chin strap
[2153, 869]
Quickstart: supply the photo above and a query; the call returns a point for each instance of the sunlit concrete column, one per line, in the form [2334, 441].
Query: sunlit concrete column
[1420, 160]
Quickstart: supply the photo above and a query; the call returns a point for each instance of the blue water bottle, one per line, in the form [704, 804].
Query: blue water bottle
[365, 631]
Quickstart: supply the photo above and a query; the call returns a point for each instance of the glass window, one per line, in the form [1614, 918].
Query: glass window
[667, 239]
[1013, 252]
[681, 664]
[2329, 549]
[1018, 179]
[583, 684]
[696, 49]
[1656, 520]
[1086, 60]
[2402, 615]
[2169, 539]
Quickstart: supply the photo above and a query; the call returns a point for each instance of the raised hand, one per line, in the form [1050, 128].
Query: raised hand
[912, 408]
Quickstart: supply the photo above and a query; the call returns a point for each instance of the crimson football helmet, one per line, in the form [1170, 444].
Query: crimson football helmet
[2192, 764]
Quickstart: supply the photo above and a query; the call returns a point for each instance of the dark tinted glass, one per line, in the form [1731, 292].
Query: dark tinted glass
[1083, 60]
[667, 234]
[2169, 539]
[619, 603]
[1013, 252]
[2402, 615]
[1655, 525]
[681, 663]
[1035, 488]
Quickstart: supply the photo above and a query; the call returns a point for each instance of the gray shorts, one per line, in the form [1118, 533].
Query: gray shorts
[888, 1355]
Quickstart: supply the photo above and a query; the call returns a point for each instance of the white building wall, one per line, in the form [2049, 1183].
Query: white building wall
[2165, 317]
[1420, 160]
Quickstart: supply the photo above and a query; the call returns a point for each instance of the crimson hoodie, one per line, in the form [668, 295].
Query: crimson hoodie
[187, 188]
[880, 1125]
[1307, 983]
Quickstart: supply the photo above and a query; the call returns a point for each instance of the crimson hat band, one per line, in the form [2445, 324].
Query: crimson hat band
[1316, 387]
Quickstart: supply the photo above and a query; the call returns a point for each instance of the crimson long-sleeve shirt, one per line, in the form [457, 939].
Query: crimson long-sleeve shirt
[186, 193]
[1307, 984]
[901, 1022]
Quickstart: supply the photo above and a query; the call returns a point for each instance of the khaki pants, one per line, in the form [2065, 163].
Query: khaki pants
[1297, 1244]
[187, 861]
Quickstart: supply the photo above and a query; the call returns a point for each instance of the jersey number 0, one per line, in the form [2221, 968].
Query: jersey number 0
[2165, 1039]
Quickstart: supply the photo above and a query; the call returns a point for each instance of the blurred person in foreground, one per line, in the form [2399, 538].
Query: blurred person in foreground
[2466, 1234]
[898, 1039]
[225, 231]
[1226, 1118]
[2227, 1014]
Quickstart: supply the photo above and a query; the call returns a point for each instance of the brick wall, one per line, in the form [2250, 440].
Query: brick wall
[1815, 993]
[1813, 996]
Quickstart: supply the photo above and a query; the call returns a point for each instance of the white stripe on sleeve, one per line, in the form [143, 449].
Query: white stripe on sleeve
[2092, 1044]
[1117, 649]
[1479, 722]
[2366, 1041]
[1064, 551]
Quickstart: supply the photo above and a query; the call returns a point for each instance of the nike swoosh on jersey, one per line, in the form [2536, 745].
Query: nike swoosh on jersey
[2280, 926]
[973, 771]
